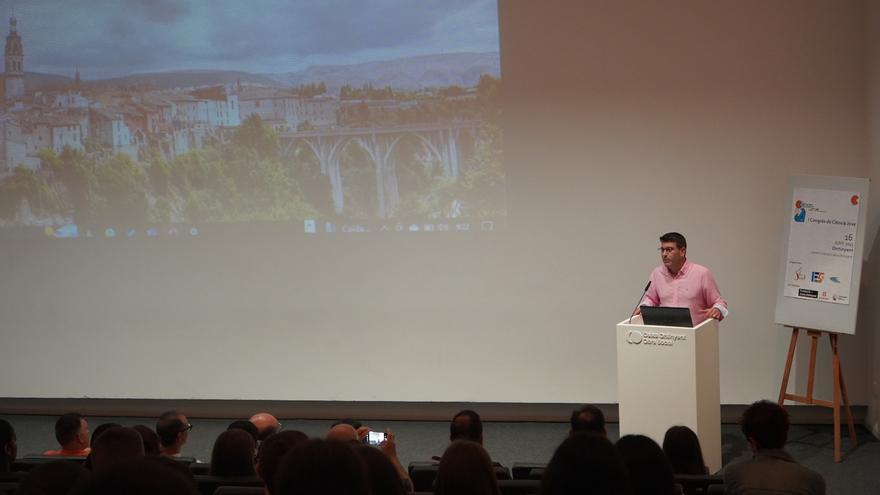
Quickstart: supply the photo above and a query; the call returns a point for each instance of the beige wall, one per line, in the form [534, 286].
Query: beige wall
[690, 116]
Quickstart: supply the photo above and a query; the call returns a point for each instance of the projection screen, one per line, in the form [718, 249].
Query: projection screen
[396, 200]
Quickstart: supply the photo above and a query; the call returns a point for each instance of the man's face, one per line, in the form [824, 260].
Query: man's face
[672, 256]
[83, 435]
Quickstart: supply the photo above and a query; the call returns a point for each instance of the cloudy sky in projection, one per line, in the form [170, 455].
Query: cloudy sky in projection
[108, 38]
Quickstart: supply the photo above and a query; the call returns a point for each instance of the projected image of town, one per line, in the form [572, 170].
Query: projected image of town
[142, 118]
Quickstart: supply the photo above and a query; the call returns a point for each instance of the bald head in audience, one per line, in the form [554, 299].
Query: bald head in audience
[266, 424]
[343, 433]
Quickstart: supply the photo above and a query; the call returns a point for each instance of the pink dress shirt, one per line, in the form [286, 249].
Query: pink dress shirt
[693, 287]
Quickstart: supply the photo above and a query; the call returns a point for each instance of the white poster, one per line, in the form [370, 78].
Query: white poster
[821, 245]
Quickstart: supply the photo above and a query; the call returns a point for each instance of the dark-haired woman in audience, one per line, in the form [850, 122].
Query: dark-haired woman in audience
[682, 448]
[151, 440]
[585, 463]
[649, 469]
[233, 454]
[466, 469]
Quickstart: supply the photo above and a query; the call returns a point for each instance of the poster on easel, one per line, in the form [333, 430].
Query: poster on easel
[823, 230]
[821, 256]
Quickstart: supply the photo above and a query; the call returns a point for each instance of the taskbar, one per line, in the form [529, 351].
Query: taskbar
[305, 228]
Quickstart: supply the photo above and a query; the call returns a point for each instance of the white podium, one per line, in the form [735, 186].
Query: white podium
[668, 376]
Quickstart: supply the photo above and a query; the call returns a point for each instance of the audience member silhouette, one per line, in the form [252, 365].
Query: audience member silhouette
[116, 446]
[143, 477]
[9, 446]
[173, 430]
[587, 419]
[151, 440]
[384, 476]
[72, 434]
[53, 478]
[101, 428]
[585, 463]
[272, 450]
[682, 448]
[649, 470]
[771, 469]
[247, 426]
[323, 467]
[233, 454]
[466, 469]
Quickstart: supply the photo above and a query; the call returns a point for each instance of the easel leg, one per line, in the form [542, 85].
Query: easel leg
[791, 347]
[835, 365]
[811, 372]
[843, 394]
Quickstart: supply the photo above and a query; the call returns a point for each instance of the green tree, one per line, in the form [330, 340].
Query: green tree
[254, 134]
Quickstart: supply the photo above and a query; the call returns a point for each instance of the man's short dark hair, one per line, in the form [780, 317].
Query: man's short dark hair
[169, 426]
[466, 425]
[272, 450]
[678, 239]
[588, 418]
[7, 432]
[7, 436]
[245, 425]
[67, 427]
[766, 423]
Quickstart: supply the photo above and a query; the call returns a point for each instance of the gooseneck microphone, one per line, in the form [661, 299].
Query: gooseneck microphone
[640, 301]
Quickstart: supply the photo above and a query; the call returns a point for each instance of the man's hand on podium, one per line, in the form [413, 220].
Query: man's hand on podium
[712, 312]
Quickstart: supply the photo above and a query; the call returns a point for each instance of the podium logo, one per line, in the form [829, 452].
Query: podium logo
[634, 337]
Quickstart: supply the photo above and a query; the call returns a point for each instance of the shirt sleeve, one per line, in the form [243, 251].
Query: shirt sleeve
[712, 295]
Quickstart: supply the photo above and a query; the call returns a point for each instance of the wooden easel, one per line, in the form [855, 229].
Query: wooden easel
[839, 385]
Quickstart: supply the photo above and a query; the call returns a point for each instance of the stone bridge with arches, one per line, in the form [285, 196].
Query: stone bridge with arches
[440, 141]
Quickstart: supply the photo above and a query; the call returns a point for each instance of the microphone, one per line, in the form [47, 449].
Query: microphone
[640, 301]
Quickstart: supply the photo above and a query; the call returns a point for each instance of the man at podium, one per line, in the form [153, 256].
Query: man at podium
[681, 283]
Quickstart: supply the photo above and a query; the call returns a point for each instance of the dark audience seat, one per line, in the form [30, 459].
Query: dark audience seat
[422, 475]
[519, 487]
[200, 468]
[698, 484]
[8, 487]
[527, 470]
[208, 484]
[717, 489]
[30, 461]
[13, 477]
[239, 490]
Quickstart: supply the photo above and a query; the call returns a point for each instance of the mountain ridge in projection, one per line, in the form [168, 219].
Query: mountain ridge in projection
[425, 71]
